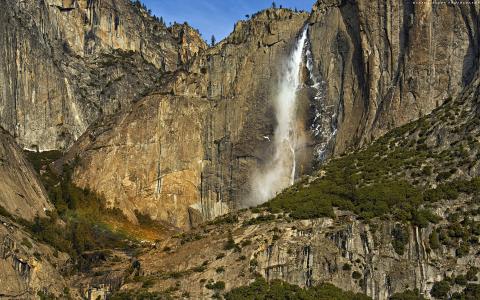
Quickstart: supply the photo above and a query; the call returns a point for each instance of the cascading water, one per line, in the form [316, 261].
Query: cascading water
[280, 172]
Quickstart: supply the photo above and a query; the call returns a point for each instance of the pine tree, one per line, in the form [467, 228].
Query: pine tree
[213, 40]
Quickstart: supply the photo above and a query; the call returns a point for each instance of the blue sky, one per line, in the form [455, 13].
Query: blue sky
[215, 16]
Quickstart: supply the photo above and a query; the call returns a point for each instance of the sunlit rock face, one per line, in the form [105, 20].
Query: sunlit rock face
[356, 81]
[66, 63]
[28, 266]
[217, 130]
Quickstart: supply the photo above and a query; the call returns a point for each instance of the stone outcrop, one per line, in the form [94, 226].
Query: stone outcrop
[29, 268]
[65, 63]
[21, 192]
[305, 253]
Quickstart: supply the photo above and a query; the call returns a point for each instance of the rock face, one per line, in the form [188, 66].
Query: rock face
[28, 267]
[21, 193]
[147, 165]
[386, 63]
[367, 68]
[305, 253]
[68, 62]
[185, 152]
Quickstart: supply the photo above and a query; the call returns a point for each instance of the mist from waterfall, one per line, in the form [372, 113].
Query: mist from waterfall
[279, 173]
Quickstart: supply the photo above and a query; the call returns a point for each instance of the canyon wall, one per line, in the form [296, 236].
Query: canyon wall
[367, 69]
[71, 65]
[21, 192]
[66, 63]
[386, 63]
[185, 152]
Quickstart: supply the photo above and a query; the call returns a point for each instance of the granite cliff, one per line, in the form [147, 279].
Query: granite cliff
[66, 63]
[384, 65]
[161, 135]
[380, 249]
[390, 62]
[188, 148]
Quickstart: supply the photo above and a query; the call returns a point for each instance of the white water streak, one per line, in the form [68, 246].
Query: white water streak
[280, 171]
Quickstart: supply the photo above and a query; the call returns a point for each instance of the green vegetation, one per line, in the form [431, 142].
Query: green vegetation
[230, 244]
[471, 292]
[259, 219]
[260, 289]
[219, 285]
[461, 233]
[74, 226]
[397, 198]
[139, 295]
[407, 295]
[472, 274]
[391, 178]
[468, 291]
[227, 219]
[400, 239]
[356, 275]
[461, 280]
[434, 240]
[45, 296]
[440, 289]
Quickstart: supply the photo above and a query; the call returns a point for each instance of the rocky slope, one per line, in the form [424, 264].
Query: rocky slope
[404, 247]
[21, 193]
[305, 253]
[27, 265]
[68, 62]
[29, 268]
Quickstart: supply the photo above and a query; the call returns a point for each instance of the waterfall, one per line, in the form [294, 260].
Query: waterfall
[280, 171]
